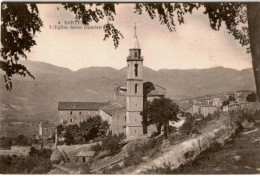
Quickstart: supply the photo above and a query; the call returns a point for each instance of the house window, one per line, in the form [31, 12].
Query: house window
[70, 112]
[136, 69]
[136, 88]
[125, 118]
[70, 120]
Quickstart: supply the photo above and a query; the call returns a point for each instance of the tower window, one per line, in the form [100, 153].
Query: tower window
[136, 88]
[70, 112]
[70, 120]
[136, 69]
[135, 54]
[79, 113]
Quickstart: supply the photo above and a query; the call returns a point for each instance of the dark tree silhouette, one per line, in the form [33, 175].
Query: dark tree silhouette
[241, 20]
[19, 24]
[160, 112]
[251, 97]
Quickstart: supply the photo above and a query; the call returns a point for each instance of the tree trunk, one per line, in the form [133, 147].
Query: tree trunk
[159, 128]
[166, 126]
[253, 15]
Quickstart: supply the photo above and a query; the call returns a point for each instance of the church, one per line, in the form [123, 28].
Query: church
[123, 113]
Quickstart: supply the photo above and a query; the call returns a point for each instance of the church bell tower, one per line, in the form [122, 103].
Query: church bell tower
[134, 98]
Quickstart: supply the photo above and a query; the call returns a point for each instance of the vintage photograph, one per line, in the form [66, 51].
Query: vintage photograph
[130, 88]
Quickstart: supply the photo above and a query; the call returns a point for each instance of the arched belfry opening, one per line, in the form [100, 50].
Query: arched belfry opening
[136, 70]
[136, 88]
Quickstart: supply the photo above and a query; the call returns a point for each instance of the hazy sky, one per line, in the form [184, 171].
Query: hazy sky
[193, 45]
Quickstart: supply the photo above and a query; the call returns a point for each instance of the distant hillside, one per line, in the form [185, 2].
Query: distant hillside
[37, 99]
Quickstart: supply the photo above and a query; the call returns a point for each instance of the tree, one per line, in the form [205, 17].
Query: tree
[93, 127]
[113, 143]
[251, 97]
[226, 102]
[160, 112]
[20, 22]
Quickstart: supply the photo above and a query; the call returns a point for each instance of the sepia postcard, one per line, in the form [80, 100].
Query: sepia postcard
[130, 88]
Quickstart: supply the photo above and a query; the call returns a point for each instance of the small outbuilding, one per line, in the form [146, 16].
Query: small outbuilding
[85, 155]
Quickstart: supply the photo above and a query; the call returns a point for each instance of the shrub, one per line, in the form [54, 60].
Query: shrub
[154, 134]
[97, 148]
[38, 162]
[149, 148]
[113, 143]
[85, 168]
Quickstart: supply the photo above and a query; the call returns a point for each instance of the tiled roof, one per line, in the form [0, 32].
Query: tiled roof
[113, 109]
[86, 153]
[81, 105]
[156, 91]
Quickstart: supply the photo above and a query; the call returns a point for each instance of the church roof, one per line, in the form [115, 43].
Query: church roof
[155, 90]
[113, 109]
[81, 105]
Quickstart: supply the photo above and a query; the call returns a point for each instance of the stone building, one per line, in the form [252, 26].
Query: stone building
[71, 113]
[208, 109]
[46, 130]
[115, 114]
[242, 105]
[205, 110]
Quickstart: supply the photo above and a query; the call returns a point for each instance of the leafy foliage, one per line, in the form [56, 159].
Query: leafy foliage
[252, 97]
[113, 143]
[160, 112]
[89, 12]
[19, 140]
[19, 24]
[36, 163]
[92, 128]
[135, 154]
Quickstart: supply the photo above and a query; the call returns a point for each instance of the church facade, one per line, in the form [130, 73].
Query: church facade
[123, 113]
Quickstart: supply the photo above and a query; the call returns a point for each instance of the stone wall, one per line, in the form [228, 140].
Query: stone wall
[68, 117]
[176, 156]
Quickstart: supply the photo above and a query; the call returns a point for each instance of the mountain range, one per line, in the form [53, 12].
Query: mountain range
[38, 99]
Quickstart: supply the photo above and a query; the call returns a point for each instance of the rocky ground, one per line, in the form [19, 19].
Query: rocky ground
[239, 156]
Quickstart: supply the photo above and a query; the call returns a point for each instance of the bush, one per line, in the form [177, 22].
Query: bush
[85, 168]
[38, 162]
[242, 115]
[154, 134]
[113, 143]
[149, 148]
[97, 148]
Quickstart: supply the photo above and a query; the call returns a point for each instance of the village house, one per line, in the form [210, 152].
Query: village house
[242, 105]
[205, 110]
[71, 113]
[46, 130]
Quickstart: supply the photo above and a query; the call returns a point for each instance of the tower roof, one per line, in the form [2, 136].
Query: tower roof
[135, 42]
